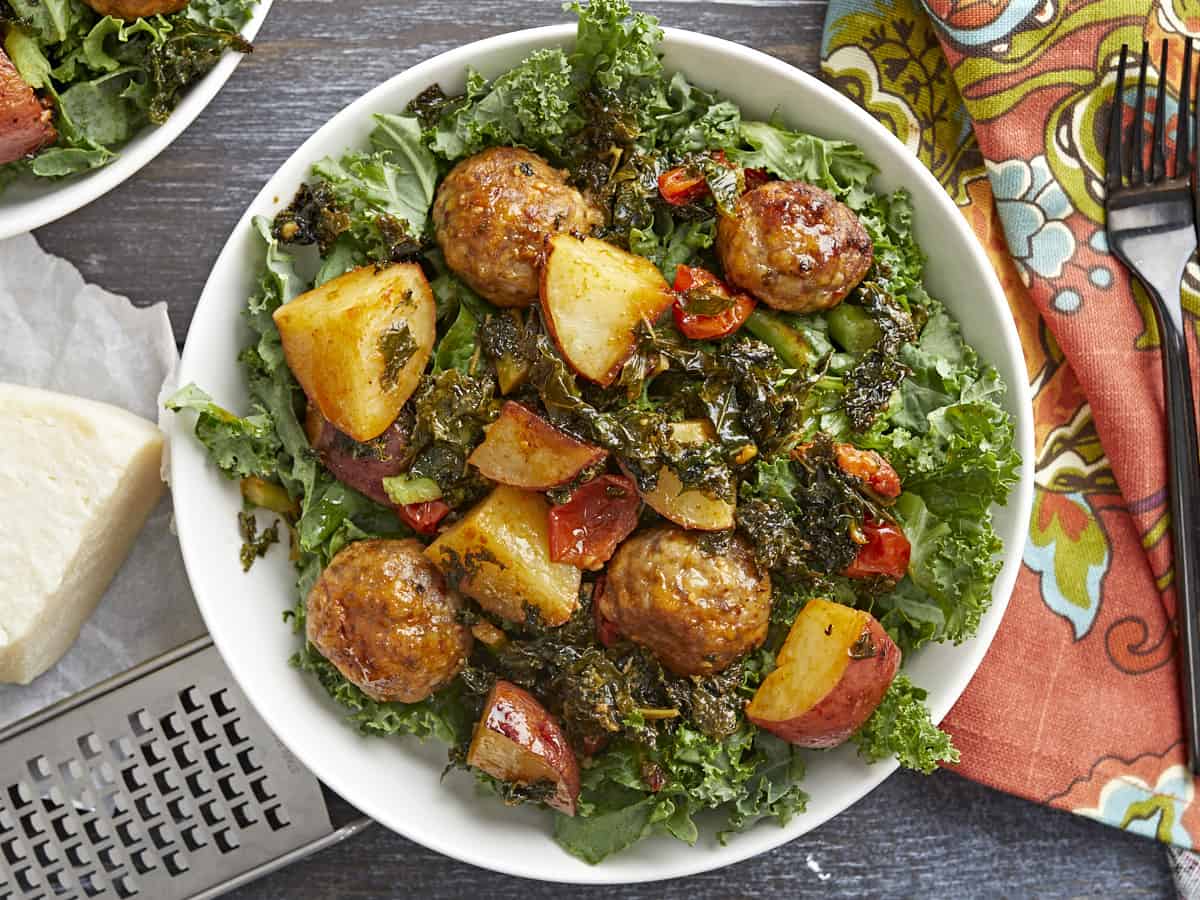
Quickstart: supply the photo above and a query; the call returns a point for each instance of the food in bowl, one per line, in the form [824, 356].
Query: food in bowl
[652, 490]
[80, 78]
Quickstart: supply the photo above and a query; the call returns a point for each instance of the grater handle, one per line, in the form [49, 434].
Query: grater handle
[348, 830]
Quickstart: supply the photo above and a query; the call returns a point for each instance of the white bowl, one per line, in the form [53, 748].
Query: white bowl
[30, 203]
[397, 780]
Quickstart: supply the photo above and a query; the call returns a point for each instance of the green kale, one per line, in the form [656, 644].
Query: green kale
[187, 52]
[442, 715]
[255, 545]
[315, 216]
[388, 190]
[452, 409]
[239, 446]
[532, 105]
[901, 727]
[396, 346]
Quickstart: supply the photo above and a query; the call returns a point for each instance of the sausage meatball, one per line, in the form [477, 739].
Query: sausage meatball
[135, 9]
[698, 611]
[382, 613]
[793, 246]
[492, 214]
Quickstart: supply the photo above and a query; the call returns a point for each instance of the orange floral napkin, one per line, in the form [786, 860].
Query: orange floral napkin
[1006, 101]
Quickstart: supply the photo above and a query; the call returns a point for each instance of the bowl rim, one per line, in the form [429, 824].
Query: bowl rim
[52, 200]
[1020, 499]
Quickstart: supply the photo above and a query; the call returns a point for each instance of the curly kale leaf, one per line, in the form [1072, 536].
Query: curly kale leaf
[901, 727]
[442, 715]
[632, 791]
[388, 189]
[837, 166]
[532, 105]
[239, 446]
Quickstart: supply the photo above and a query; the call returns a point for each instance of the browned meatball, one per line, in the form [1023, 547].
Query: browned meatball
[793, 246]
[492, 215]
[135, 9]
[383, 615]
[697, 611]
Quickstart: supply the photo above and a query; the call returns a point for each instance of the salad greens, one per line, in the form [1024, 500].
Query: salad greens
[887, 370]
[108, 78]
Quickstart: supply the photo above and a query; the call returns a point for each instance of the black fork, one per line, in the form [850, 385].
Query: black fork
[1152, 223]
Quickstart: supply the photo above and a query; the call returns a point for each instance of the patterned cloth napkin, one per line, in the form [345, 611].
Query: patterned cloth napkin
[1006, 102]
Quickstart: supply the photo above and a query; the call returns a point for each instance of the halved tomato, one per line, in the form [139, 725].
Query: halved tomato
[886, 552]
[586, 530]
[706, 308]
[423, 518]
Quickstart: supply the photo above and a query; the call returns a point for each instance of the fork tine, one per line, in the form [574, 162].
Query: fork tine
[1184, 115]
[1137, 171]
[1158, 145]
[1112, 156]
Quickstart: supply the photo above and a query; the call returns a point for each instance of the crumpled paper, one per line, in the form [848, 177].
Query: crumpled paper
[59, 333]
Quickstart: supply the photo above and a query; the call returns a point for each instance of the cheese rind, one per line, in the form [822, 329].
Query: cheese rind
[77, 481]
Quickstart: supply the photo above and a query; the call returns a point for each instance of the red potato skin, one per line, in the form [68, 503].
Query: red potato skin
[515, 714]
[849, 703]
[344, 457]
[25, 122]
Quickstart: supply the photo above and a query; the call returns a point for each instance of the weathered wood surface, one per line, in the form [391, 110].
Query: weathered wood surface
[155, 237]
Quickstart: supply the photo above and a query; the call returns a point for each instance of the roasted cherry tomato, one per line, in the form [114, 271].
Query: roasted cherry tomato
[682, 185]
[886, 552]
[871, 468]
[685, 184]
[699, 290]
[600, 514]
[423, 518]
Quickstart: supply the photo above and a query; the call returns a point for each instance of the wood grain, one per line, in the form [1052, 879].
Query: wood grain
[155, 238]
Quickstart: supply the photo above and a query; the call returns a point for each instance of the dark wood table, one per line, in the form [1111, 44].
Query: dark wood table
[155, 238]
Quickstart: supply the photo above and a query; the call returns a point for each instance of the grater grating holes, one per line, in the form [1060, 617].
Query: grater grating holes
[139, 799]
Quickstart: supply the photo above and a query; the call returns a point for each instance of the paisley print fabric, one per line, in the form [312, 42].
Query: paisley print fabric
[1006, 102]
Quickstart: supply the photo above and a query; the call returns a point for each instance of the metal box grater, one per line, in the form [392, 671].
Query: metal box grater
[160, 783]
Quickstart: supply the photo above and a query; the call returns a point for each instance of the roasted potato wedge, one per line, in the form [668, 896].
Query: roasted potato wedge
[524, 450]
[499, 554]
[26, 125]
[690, 508]
[359, 343]
[519, 741]
[832, 671]
[593, 296]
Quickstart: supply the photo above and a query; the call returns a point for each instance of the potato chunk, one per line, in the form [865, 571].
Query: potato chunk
[593, 297]
[524, 450]
[690, 508]
[519, 741]
[499, 554]
[359, 343]
[832, 671]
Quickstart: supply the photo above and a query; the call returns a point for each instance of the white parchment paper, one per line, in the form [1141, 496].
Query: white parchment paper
[59, 333]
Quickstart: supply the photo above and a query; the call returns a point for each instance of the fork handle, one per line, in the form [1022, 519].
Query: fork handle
[1184, 490]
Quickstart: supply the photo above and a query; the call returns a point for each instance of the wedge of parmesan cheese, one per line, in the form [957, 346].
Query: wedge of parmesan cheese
[77, 481]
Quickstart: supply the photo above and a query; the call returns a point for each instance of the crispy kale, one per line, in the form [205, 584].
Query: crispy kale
[315, 216]
[188, 51]
[451, 410]
[254, 544]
